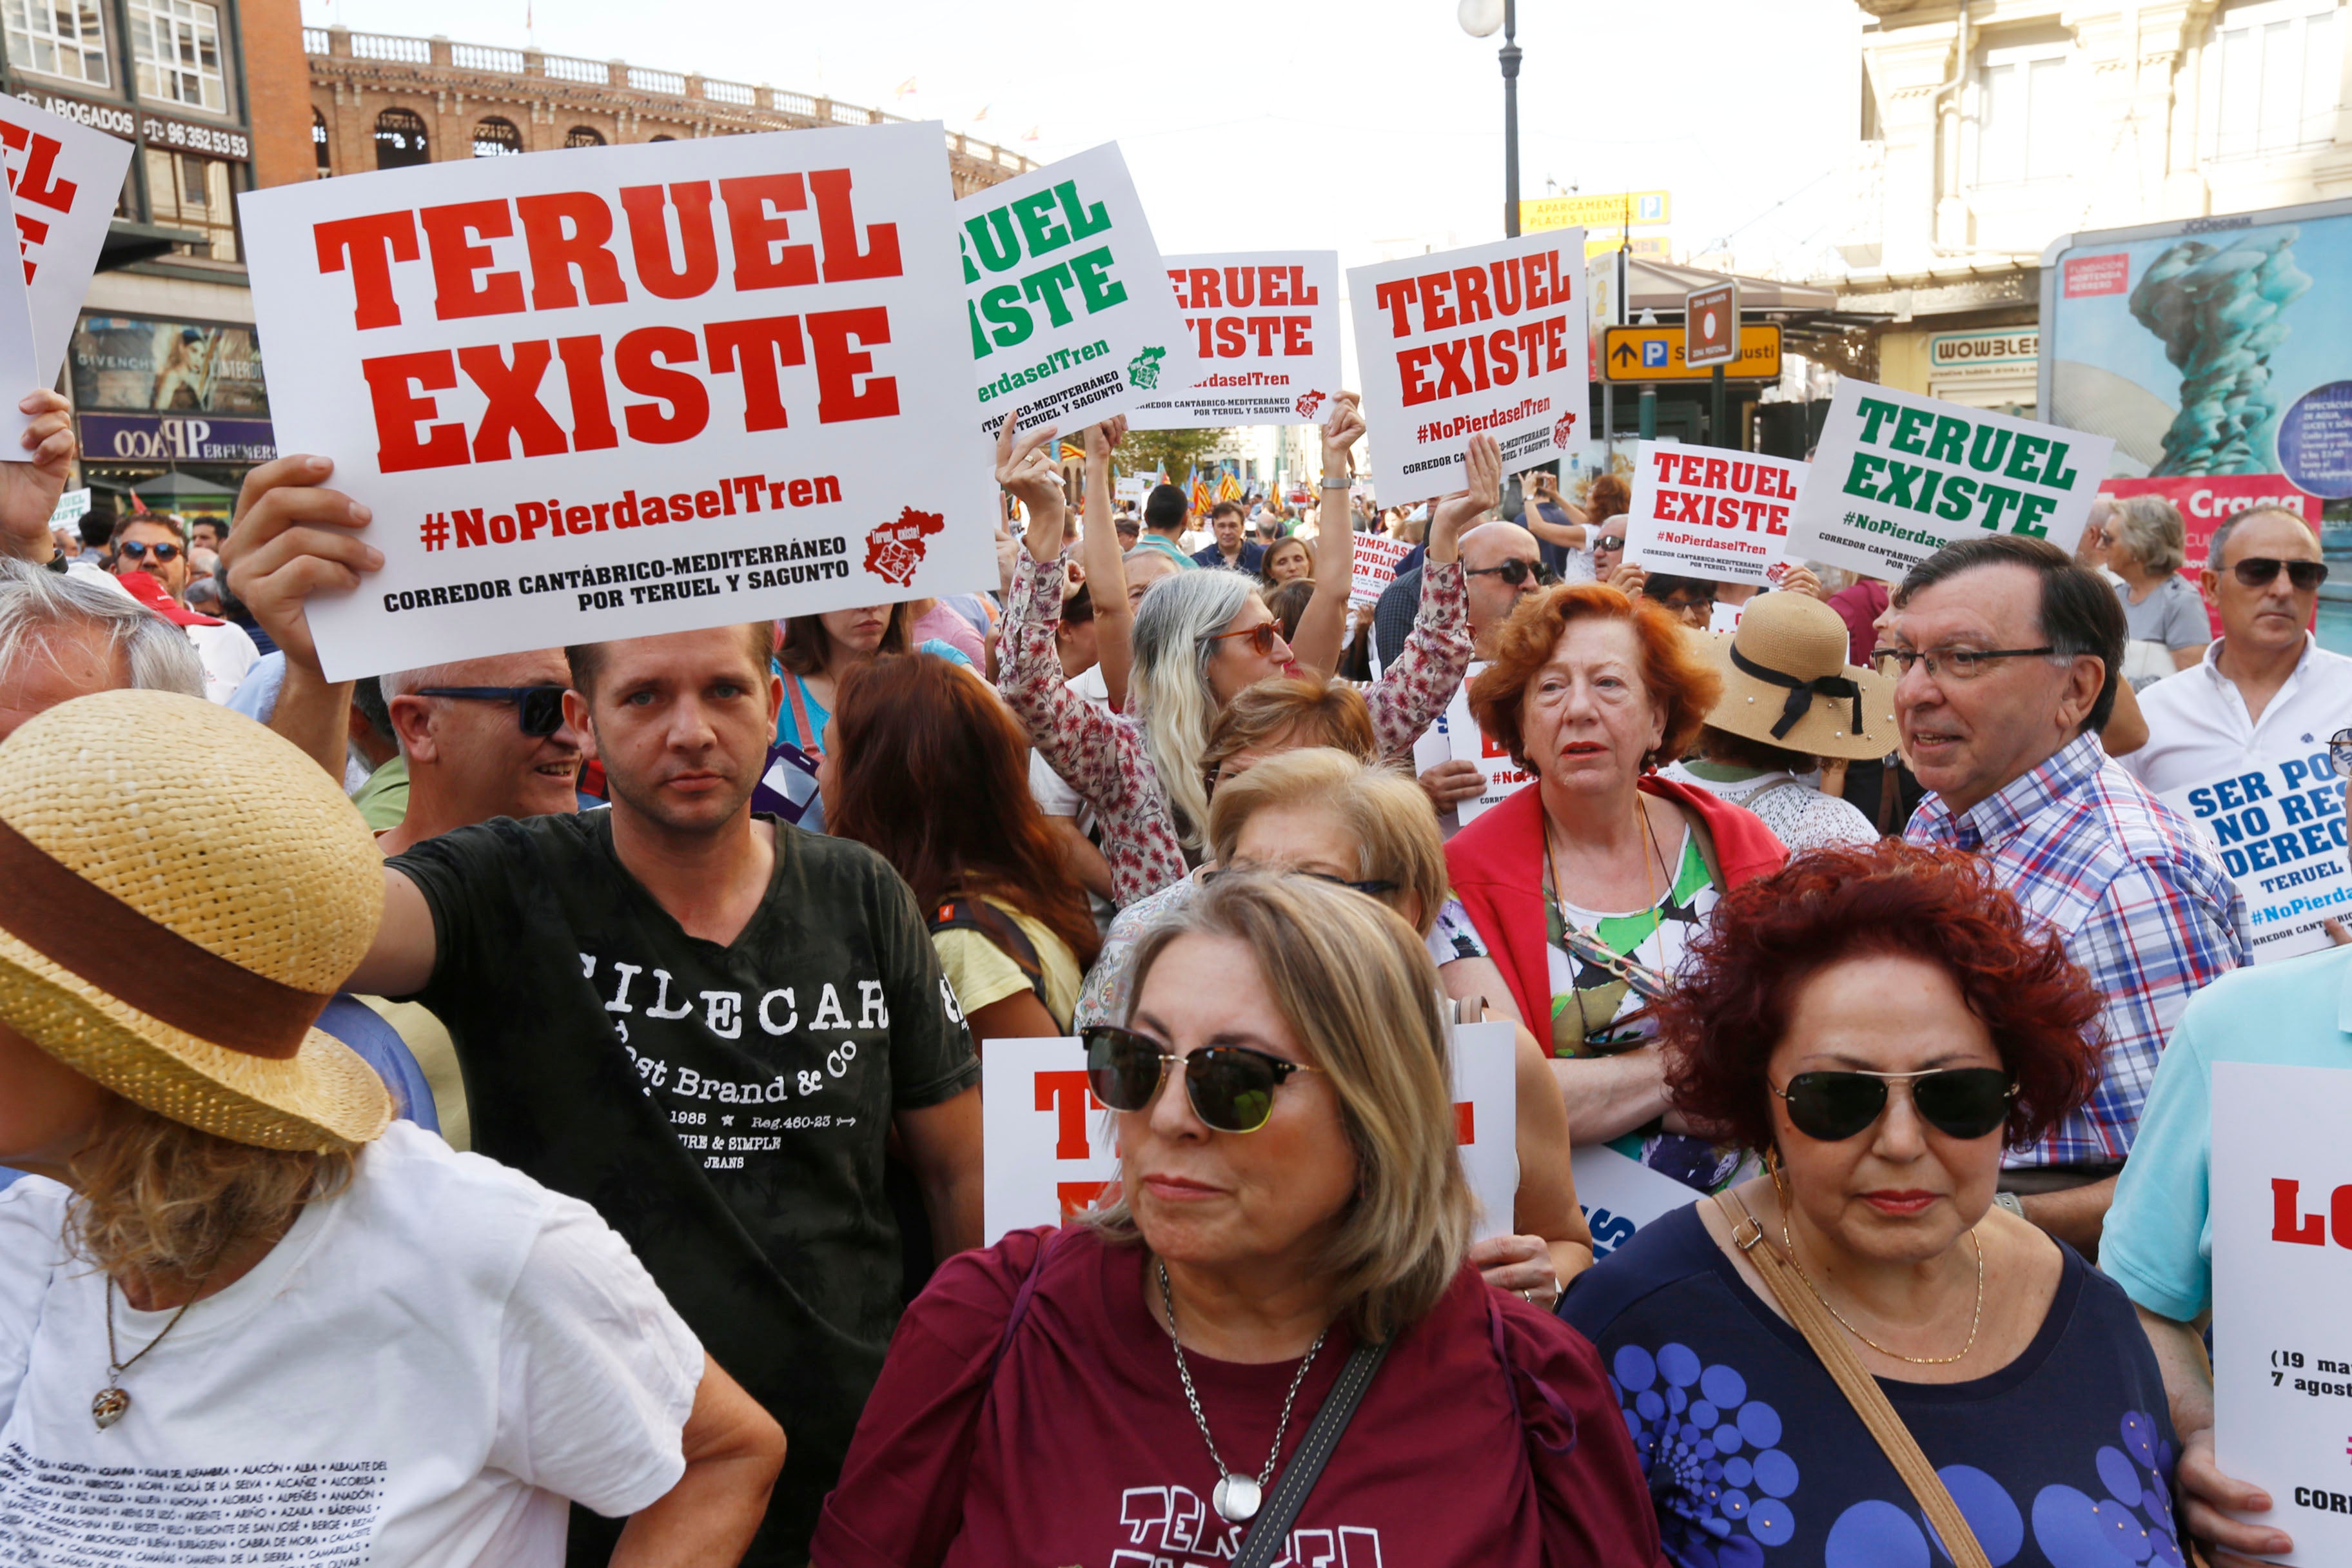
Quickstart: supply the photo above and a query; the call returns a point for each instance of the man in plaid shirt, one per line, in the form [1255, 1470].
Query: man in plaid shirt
[2010, 655]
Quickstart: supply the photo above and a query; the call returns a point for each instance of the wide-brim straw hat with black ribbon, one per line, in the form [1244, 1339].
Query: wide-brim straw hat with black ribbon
[181, 892]
[1786, 682]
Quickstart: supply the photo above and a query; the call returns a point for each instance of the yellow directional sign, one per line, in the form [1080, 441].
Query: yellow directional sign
[1613, 209]
[1655, 353]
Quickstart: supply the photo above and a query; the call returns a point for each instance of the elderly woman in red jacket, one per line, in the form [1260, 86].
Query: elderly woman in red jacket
[1583, 889]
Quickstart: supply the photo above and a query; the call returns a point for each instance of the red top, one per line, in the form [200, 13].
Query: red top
[1497, 867]
[1860, 606]
[1084, 1451]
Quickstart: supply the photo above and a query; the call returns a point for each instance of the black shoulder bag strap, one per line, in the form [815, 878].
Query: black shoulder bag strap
[1269, 1533]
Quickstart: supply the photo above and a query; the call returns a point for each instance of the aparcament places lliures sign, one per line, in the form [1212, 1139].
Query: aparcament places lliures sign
[628, 390]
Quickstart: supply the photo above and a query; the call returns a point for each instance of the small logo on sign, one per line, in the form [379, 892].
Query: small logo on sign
[1143, 370]
[1309, 402]
[895, 550]
[1563, 430]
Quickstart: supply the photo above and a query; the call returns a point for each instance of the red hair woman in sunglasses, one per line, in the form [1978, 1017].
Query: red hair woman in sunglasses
[1292, 1218]
[1880, 1024]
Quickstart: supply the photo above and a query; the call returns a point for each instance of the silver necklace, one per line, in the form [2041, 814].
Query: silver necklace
[1237, 1498]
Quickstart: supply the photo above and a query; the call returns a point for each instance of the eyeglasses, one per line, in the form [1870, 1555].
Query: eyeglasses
[1262, 637]
[1958, 1102]
[136, 550]
[1374, 888]
[539, 709]
[1514, 571]
[1609, 541]
[1681, 604]
[2339, 752]
[1230, 1087]
[1960, 664]
[2260, 571]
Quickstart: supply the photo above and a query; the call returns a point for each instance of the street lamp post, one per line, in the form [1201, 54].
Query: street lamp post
[1480, 19]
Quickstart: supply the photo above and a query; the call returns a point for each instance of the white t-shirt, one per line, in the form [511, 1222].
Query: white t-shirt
[420, 1373]
[2199, 729]
[227, 654]
[1052, 792]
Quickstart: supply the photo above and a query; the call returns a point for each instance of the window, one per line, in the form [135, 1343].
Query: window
[400, 139]
[319, 144]
[496, 138]
[581, 136]
[176, 46]
[2270, 78]
[2022, 113]
[190, 192]
[59, 38]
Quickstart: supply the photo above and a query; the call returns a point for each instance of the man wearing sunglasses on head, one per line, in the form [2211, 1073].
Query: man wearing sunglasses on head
[2264, 688]
[2010, 657]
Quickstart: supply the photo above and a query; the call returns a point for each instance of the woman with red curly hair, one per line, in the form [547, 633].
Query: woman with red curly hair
[1586, 887]
[1880, 1024]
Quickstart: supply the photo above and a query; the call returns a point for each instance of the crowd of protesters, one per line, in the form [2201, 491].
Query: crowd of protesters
[455, 1124]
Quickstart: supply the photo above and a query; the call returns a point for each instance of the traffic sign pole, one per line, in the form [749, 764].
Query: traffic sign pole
[1714, 430]
[1649, 413]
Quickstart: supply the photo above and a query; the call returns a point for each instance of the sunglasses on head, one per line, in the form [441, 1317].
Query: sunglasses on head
[1230, 1087]
[1958, 1102]
[1373, 889]
[1514, 572]
[136, 550]
[1262, 636]
[2260, 571]
[539, 709]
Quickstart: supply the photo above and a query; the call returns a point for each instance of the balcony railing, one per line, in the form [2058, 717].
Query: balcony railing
[619, 74]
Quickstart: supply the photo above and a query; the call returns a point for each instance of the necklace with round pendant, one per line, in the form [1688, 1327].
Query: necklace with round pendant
[1236, 1498]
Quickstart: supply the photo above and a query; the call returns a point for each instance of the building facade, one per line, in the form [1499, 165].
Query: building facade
[1990, 128]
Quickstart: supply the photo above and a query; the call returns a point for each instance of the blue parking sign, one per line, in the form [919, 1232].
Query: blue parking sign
[1653, 353]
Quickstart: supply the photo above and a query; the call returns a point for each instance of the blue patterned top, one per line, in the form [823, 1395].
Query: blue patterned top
[2063, 1458]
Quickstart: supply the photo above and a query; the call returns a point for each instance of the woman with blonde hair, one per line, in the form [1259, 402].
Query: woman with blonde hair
[2164, 619]
[272, 1318]
[1272, 1324]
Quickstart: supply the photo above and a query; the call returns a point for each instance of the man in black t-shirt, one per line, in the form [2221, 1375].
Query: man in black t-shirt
[704, 1023]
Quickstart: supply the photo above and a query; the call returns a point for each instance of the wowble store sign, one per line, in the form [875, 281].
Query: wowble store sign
[176, 438]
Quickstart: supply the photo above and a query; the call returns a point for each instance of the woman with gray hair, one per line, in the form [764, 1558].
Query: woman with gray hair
[1199, 638]
[63, 635]
[1273, 1334]
[2163, 616]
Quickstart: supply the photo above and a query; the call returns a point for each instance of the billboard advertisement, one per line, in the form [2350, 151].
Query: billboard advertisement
[159, 367]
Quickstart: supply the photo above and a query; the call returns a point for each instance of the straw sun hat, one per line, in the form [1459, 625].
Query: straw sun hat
[1786, 682]
[184, 891]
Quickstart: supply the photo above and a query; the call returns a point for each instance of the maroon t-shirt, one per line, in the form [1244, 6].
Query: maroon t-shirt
[1082, 1451]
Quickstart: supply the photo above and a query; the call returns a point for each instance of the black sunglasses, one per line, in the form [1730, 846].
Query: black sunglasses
[1230, 1087]
[1514, 572]
[137, 550]
[1958, 1102]
[539, 709]
[2260, 571]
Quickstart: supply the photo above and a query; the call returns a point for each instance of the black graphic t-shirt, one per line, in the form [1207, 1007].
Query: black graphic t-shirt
[723, 1108]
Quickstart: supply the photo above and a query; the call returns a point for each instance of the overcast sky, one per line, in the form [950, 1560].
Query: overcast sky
[1370, 126]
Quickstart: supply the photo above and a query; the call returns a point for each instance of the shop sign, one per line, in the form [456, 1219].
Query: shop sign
[194, 136]
[175, 438]
[2001, 354]
[110, 118]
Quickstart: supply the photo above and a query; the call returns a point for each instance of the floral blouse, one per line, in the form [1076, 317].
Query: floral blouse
[1104, 756]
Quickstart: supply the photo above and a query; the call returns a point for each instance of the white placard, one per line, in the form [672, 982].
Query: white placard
[2281, 1221]
[1724, 616]
[1376, 558]
[1503, 776]
[1138, 491]
[1050, 1148]
[1619, 1195]
[1066, 298]
[1896, 476]
[72, 508]
[64, 180]
[1487, 340]
[2279, 829]
[1264, 330]
[1700, 511]
[621, 390]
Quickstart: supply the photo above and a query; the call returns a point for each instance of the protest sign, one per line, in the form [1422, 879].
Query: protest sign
[1504, 777]
[20, 370]
[1701, 513]
[2281, 1225]
[2278, 827]
[1376, 566]
[1620, 1195]
[745, 400]
[1051, 1149]
[72, 508]
[1069, 317]
[64, 179]
[1138, 491]
[1264, 330]
[1476, 341]
[1896, 476]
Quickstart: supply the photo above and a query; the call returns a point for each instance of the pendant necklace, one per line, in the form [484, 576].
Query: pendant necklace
[1236, 1498]
[111, 1403]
